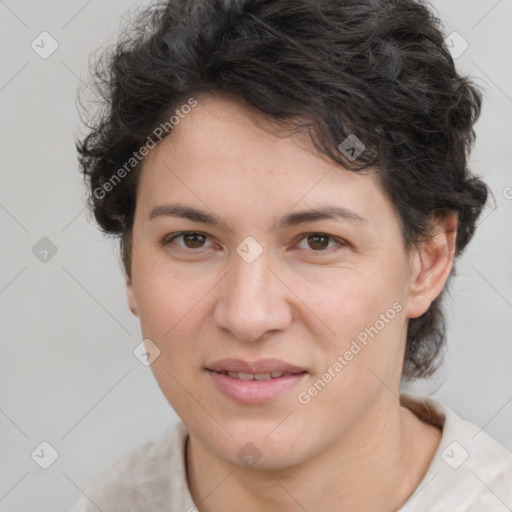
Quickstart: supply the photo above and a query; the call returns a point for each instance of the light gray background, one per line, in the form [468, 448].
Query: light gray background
[68, 375]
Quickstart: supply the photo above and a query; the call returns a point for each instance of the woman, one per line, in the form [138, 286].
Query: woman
[289, 183]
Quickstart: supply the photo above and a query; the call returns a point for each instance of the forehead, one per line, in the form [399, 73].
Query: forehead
[222, 135]
[226, 157]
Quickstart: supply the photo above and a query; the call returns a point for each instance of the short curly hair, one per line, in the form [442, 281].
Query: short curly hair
[376, 69]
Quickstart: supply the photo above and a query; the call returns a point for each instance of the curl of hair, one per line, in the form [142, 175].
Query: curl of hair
[374, 68]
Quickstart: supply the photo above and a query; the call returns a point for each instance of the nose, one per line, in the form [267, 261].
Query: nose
[253, 301]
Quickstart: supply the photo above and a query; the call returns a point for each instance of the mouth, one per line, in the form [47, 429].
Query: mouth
[257, 376]
[255, 382]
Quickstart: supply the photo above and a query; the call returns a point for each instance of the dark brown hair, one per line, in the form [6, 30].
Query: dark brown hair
[376, 69]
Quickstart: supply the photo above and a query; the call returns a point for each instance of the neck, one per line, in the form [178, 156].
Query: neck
[371, 468]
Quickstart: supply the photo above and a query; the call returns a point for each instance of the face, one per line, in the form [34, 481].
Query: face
[315, 307]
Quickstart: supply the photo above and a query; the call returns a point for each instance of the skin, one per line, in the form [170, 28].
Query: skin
[353, 446]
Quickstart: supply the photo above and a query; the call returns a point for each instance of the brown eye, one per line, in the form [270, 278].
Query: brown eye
[318, 242]
[321, 243]
[191, 240]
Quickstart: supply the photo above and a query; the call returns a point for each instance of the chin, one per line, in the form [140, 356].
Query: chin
[256, 449]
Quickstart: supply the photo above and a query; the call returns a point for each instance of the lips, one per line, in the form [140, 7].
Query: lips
[263, 366]
[255, 376]
[255, 382]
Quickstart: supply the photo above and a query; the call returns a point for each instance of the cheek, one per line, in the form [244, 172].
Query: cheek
[163, 294]
[364, 311]
[366, 350]
[169, 308]
[352, 301]
[173, 308]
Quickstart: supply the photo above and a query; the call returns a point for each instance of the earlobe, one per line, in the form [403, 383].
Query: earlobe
[431, 266]
[132, 304]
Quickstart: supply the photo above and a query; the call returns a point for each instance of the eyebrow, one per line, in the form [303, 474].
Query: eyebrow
[291, 219]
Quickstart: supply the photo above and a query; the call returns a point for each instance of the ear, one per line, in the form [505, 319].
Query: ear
[132, 303]
[431, 265]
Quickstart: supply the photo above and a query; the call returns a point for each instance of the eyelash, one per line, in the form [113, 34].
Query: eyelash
[341, 243]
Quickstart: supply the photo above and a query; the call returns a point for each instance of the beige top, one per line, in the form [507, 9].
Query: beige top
[470, 472]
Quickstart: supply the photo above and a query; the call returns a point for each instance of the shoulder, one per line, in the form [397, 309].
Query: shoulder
[470, 471]
[150, 477]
